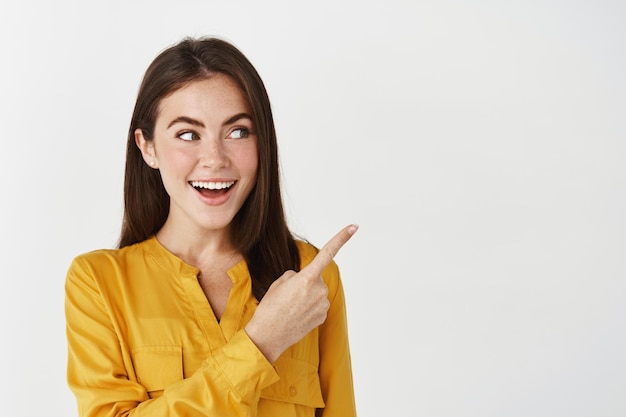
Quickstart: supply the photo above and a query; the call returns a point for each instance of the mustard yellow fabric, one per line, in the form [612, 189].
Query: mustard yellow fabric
[143, 341]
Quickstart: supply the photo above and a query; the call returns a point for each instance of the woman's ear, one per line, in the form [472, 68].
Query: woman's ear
[147, 149]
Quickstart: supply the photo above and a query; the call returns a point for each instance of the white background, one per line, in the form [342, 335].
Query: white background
[480, 145]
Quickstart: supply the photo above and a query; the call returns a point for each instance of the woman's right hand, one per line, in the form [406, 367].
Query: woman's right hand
[295, 303]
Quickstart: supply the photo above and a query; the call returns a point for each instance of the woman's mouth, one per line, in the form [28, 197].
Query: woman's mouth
[212, 188]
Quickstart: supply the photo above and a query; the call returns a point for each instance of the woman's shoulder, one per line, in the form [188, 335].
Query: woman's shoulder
[107, 259]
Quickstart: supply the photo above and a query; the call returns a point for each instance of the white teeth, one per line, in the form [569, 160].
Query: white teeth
[211, 185]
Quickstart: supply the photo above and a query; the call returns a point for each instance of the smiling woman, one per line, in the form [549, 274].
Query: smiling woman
[209, 306]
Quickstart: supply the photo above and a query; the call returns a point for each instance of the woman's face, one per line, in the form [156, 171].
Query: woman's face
[205, 148]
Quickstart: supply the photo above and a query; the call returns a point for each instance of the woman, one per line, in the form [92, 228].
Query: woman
[194, 314]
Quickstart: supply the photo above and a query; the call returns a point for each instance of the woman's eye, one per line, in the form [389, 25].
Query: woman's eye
[240, 133]
[188, 136]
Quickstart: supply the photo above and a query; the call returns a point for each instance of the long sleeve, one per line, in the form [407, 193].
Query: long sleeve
[102, 371]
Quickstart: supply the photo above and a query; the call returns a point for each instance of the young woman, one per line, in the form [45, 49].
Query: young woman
[209, 307]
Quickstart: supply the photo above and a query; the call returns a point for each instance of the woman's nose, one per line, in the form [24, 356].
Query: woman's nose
[213, 154]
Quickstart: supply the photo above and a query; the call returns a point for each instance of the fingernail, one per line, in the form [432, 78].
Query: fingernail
[353, 228]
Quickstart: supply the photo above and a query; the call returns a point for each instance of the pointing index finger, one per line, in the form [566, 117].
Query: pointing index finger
[330, 250]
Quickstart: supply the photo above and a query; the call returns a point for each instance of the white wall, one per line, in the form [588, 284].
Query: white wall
[480, 145]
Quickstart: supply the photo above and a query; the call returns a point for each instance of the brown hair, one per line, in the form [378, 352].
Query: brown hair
[259, 230]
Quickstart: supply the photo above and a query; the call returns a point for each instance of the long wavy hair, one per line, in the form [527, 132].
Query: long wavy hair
[259, 230]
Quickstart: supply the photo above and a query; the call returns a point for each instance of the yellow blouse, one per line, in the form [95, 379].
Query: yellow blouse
[143, 341]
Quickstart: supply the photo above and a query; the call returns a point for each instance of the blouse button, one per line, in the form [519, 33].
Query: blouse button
[293, 391]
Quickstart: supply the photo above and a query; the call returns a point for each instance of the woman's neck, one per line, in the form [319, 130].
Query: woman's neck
[195, 246]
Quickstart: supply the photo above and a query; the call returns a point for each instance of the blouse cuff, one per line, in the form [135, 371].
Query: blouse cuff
[244, 366]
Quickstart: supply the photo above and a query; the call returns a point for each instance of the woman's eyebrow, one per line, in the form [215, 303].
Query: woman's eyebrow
[194, 122]
[236, 117]
[185, 119]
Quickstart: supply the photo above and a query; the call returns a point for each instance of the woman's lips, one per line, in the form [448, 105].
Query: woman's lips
[213, 193]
